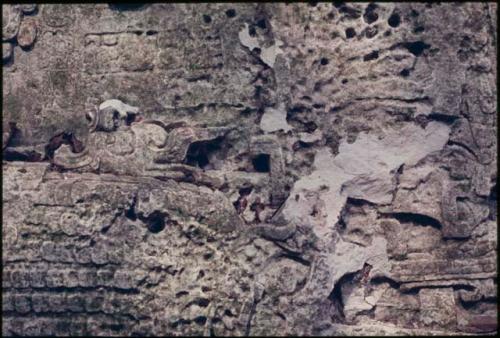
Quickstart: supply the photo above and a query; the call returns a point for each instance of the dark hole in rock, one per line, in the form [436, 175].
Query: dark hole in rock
[350, 33]
[127, 6]
[207, 18]
[198, 152]
[414, 13]
[344, 81]
[262, 163]
[203, 302]
[371, 56]
[370, 15]
[200, 320]
[387, 33]
[208, 255]
[245, 191]
[324, 61]
[310, 127]
[252, 31]
[155, 222]
[331, 15]
[230, 13]
[419, 29]
[149, 33]
[130, 119]
[262, 23]
[257, 50]
[394, 20]
[417, 47]
[405, 72]
[228, 313]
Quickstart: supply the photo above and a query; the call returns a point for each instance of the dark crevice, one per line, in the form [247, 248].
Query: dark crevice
[181, 293]
[444, 118]
[383, 279]
[11, 154]
[199, 152]
[60, 139]
[371, 56]
[467, 148]
[13, 132]
[262, 163]
[130, 212]
[405, 72]
[294, 257]
[155, 222]
[200, 320]
[408, 217]
[127, 6]
[416, 48]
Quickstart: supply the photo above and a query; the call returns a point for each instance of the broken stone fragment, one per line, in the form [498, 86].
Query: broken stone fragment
[11, 18]
[27, 33]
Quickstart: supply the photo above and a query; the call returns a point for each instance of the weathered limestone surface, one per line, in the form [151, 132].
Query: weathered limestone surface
[249, 169]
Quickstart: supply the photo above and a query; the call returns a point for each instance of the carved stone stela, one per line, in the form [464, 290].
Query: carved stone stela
[249, 169]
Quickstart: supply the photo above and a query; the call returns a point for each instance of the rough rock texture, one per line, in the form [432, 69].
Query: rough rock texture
[249, 169]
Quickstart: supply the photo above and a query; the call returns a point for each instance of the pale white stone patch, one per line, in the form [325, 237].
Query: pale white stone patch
[119, 106]
[274, 120]
[361, 170]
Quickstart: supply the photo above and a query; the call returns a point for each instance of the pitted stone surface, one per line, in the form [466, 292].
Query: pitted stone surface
[249, 169]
